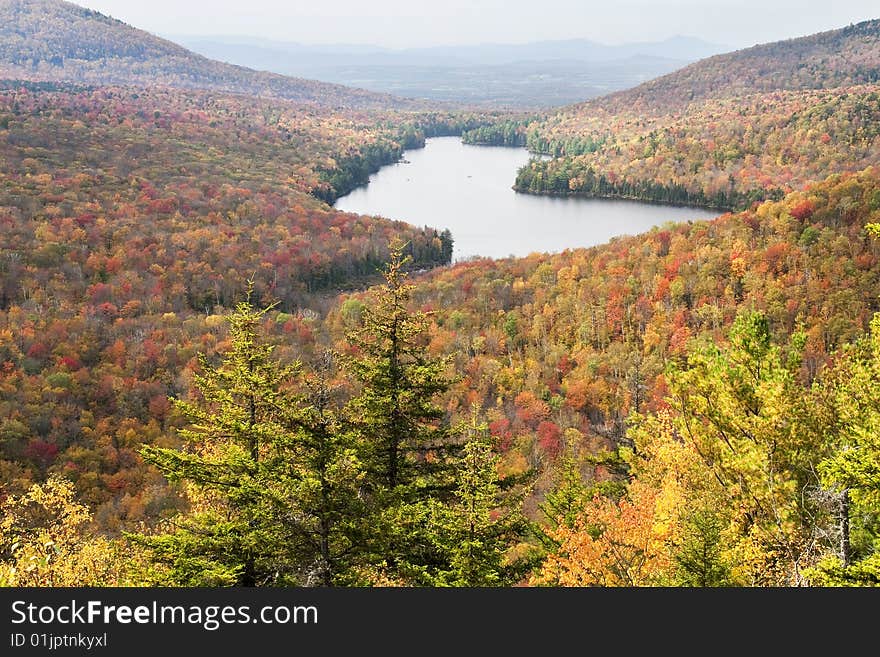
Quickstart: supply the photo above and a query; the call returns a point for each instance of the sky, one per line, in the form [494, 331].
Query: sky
[410, 23]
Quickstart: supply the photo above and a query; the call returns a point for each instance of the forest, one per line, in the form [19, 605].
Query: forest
[497, 369]
[210, 377]
[52, 40]
[722, 132]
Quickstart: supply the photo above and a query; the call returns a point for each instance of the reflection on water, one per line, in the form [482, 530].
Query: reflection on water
[467, 189]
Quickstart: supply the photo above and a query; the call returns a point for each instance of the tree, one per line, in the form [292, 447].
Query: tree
[239, 464]
[851, 472]
[396, 413]
[45, 540]
[565, 501]
[325, 491]
[699, 550]
[612, 543]
[483, 521]
[404, 440]
[743, 411]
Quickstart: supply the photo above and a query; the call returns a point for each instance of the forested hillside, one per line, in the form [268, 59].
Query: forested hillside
[725, 131]
[828, 60]
[547, 357]
[131, 219]
[60, 41]
[575, 341]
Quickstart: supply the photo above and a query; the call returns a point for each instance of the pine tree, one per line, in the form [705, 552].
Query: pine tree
[485, 518]
[273, 475]
[404, 440]
[237, 465]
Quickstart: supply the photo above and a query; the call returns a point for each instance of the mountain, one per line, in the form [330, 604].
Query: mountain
[289, 56]
[836, 58]
[725, 131]
[529, 75]
[60, 41]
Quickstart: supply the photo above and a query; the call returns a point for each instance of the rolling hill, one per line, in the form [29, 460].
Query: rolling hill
[838, 58]
[60, 41]
[725, 131]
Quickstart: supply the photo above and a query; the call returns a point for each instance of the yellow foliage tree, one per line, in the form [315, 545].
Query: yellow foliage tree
[45, 541]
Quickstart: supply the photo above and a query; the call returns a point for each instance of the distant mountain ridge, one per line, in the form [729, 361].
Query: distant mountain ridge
[530, 75]
[251, 51]
[60, 41]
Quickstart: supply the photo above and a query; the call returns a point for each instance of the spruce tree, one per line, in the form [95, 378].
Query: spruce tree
[485, 519]
[396, 413]
[404, 439]
[273, 477]
[235, 464]
[325, 492]
[565, 501]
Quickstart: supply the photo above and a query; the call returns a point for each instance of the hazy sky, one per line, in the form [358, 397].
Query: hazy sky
[403, 23]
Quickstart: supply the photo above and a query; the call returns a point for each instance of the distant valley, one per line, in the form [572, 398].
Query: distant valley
[524, 76]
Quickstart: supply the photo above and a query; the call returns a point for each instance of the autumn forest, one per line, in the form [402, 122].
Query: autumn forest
[209, 376]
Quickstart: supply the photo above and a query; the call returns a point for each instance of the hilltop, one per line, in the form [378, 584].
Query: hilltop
[53, 40]
[827, 60]
[723, 132]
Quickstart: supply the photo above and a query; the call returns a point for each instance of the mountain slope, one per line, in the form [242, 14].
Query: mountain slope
[725, 131]
[60, 41]
[842, 57]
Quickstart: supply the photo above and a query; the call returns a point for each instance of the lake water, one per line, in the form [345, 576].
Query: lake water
[467, 189]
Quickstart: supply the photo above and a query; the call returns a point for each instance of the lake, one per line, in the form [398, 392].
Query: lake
[468, 189]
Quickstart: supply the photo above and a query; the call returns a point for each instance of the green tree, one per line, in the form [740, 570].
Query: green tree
[325, 488]
[851, 473]
[404, 439]
[751, 421]
[484, 520]
[699, 550]
[396, 413]
[237, 464]
[565, 501]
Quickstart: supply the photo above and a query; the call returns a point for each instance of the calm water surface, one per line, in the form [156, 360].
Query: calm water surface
[467, 189]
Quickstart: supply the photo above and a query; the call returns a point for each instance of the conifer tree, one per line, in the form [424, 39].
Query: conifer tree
[325, 491]
[237, 464]
[273, 476]
[485, 517]
[404, 439]
[395, 413]
[563, 503]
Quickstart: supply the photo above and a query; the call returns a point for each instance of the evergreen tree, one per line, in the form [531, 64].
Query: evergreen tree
[699, 550]
[565, 501]
[485, 518]
[395, 413]
[325, 491]
[404, 440]
[237, 464]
